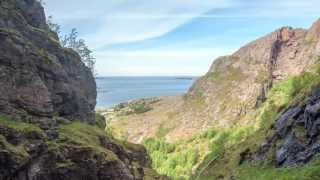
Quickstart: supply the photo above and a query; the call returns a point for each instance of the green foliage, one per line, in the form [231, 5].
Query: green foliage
[209, 134]
[100, 121]
[250, 172]
[72, 41]
[18, 151]
[139, 108]
[221, 141]
[168, 159]
[179, 160]
[286, 93]
[158, 145]
[81, 134]
[20, 126]
[25, 129]
[53, 26]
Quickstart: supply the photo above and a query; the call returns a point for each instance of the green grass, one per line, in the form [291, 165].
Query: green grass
[19, 151]
[22, 127]
[76, 137]
[286, 93]
[82, 134]
[180, 159]
[171, 160]
[139, 108]
[251, 172]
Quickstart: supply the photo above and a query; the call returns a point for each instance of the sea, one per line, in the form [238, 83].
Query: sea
[115, 90]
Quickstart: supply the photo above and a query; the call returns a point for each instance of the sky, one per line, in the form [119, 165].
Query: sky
[173, 37]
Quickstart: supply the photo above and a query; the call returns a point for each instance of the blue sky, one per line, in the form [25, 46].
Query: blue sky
[173, 37]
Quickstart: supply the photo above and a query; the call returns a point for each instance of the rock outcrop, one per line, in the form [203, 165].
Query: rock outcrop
[81, 151]
[295, 140]
[37, 76]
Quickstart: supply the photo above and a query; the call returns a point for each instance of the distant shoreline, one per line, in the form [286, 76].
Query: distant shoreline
[176, 77]
[116, 90]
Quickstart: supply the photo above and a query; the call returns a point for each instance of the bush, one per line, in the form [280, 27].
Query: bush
[140, 108]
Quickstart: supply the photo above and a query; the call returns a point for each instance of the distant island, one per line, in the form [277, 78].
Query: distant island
[185, 78]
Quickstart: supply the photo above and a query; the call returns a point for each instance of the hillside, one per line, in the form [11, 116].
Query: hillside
[225, 124]
[233, 89]
[48, 127]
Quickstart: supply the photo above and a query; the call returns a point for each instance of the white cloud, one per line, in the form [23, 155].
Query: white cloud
[129, 21]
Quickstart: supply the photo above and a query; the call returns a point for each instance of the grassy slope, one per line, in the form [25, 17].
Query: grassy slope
[179, 160]
[215, 154]
[284, 94]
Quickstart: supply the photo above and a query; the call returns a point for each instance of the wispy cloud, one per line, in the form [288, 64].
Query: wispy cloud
[128, 21]
[157, 37]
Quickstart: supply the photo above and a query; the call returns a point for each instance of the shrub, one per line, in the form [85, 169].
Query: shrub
[140, 108]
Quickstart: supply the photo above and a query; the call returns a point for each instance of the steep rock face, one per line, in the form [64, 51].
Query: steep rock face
[295, 139]
[238, 84]
[37, 76]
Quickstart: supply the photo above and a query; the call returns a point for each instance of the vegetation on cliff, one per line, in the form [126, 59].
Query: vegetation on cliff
[80, 151]
[232, 163]
[48, 128]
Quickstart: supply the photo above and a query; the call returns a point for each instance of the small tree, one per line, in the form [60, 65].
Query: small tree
[41, 2]
[71, 41]
[53, 26]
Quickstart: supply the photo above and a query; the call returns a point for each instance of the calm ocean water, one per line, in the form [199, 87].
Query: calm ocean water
[115, 90]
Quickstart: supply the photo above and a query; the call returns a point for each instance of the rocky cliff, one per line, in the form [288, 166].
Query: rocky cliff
[236, 85]
[38, 76]
[296, 134]
[47, 100]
